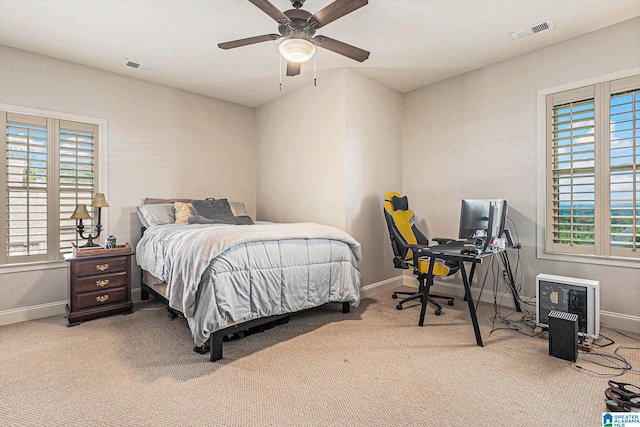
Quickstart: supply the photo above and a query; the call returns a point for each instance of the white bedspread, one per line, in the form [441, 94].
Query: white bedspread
[233, 273]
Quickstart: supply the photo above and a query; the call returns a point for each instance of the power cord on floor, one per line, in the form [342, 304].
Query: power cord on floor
[614, 362]
[617, 363]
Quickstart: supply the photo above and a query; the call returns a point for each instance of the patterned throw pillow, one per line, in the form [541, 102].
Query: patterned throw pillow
[183, 212]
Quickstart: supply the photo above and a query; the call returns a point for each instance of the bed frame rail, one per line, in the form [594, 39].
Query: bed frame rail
[215, 342]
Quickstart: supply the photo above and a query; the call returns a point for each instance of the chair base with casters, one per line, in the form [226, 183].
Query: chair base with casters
[418, 296]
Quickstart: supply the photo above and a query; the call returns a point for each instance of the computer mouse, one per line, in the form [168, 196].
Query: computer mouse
[469, 251]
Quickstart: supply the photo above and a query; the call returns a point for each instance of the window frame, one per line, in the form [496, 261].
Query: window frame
[601, 254]
[101, 176]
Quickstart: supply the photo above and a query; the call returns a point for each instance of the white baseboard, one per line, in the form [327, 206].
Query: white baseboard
[379, 287]
[623, 322]
[33, 312]
[39, 311]
[456, 290]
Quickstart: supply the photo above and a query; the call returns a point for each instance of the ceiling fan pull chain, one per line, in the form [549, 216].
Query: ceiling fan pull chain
[280, 71]
[315, 82]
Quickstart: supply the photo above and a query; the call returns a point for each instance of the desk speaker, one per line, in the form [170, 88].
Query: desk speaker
[563, 335]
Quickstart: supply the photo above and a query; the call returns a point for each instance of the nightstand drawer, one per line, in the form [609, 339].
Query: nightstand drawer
[101, 282]
[99, 266]
[92, 299]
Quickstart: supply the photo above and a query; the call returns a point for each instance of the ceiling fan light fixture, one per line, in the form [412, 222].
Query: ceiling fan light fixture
[297, 50]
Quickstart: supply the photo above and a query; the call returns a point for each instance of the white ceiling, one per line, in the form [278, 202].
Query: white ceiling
[413, 43]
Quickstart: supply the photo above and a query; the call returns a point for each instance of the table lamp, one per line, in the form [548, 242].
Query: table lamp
[81, 213]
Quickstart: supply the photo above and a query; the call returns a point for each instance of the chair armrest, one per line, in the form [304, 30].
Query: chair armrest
[400, 263]
[441, 240]
[417, 252]
[418, 248]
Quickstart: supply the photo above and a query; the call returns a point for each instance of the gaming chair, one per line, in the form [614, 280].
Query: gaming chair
[404, 233]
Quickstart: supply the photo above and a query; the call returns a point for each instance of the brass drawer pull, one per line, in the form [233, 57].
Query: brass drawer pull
[102, 267]
[102, 283]
[102, 298]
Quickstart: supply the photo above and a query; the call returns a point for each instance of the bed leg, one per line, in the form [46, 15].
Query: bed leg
[144, 294]
[345, 307]
[172, 314]
[215, 343]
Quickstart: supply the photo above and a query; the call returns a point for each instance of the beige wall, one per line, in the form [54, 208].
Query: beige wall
[300, 155]
[475, 136]
[162, 142]
[374, 166]
[334, 168]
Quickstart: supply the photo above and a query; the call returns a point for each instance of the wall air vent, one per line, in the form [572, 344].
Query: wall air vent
[534, 29]
[138, 66]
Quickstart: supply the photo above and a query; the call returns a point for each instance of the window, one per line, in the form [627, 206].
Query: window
[49, 166]
[593, 170]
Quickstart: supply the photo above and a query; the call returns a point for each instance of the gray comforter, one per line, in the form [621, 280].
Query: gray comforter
[217, 274]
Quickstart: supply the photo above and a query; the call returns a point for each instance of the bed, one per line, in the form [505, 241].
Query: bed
[224, 273]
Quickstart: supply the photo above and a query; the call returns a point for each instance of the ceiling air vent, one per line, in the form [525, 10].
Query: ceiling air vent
[138, 66]
[534, 29]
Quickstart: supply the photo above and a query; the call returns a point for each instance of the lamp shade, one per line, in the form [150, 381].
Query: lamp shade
[81, 212]
[297, 50]
[99, 201]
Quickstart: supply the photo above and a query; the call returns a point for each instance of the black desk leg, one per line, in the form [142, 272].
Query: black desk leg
[473, 269]
[425, 291]
[472, 308]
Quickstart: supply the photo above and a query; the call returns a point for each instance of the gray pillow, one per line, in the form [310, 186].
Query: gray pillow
[159, 214]
[233, 220]
[217, 209]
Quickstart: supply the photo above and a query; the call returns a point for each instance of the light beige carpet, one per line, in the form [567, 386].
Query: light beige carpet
[371, 367]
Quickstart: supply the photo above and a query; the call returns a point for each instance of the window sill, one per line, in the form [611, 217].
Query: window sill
[31, 266]
[589, 259]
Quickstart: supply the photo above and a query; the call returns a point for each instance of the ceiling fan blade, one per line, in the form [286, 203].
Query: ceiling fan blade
[335, 10]
[341, 48]
[293, 68]
[271, 10]
[248, 41]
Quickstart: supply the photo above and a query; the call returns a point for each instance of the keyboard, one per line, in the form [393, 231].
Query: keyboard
[455, 247]
[458, 244]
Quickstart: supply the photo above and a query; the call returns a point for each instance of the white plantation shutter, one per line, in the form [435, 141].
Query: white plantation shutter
[593, 176]
[572, 177]
[624, 162]
[76, 176]
[26, 180]
[49, 166]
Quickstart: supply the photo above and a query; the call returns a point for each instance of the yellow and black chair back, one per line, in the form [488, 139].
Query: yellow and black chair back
[404, 233]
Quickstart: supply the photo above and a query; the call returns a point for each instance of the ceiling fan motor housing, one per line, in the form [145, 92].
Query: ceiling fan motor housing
[298, 27]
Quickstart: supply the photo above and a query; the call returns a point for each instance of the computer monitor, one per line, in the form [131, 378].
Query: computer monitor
[482, 219]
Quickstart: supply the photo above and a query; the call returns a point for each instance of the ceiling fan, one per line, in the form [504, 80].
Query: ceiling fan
[298, 28]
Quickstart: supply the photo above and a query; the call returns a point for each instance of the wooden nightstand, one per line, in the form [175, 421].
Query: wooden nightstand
[99, 286]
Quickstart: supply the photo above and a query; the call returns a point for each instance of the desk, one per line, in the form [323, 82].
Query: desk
[455, 255]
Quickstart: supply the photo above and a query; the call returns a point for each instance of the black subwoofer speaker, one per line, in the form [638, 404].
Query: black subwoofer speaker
[563, 335]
